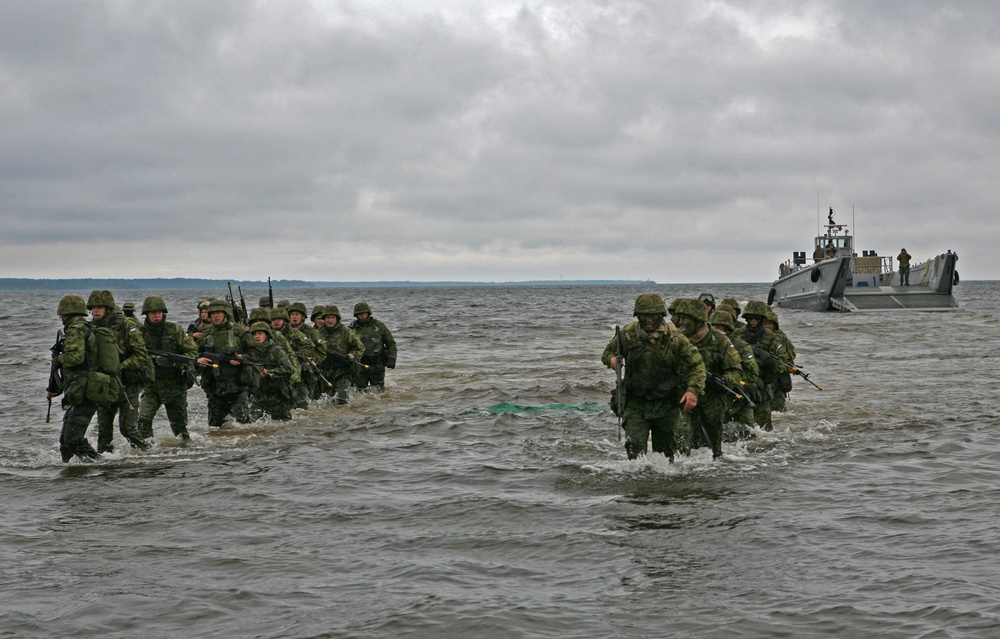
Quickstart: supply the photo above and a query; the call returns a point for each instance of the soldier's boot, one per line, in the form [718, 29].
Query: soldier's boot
[633, 450]
[180, 430]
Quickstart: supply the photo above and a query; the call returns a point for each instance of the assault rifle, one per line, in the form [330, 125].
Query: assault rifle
[232, 303]
[243, 305]
[312, 362]
[270, 294]
[720, 383]
[345, 360]
[177, 357]
[790, 368]
[55, 386]
[619, 386]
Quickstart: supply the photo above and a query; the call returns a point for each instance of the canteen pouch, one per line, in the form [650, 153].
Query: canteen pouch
[100, 389]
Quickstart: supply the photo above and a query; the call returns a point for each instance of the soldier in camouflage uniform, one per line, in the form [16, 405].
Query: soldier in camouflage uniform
[171, 378]
[773, 361]
[380, 348]
[228, 386]
[72, 364]
[663, 374]
[733, 308]
[722, 367]
[136, 370]
[197, 327]
[316, 317]
[771, 322]
[273, 395]
[310, 369]
[343, 354]
[740, 410]
[302, 352]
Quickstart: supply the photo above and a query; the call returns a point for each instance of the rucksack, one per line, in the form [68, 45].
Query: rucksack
[102, 351]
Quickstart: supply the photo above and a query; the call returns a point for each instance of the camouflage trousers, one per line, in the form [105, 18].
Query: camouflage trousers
[372, 377]
[707, 419]
[73, 439]
[273, 405]
[341, 381]
[126, 409]
[221, 405]
[659, 419]
[173, 397]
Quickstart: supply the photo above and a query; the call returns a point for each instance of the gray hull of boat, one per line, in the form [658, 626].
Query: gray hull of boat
[830, 286]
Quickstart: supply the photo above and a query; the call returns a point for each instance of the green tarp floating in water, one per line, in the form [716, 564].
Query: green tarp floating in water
[509, 407]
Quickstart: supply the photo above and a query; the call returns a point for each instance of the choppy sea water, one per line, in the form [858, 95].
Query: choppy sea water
[485, 493]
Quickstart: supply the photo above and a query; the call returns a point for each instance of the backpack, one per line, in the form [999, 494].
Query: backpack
[101, 385]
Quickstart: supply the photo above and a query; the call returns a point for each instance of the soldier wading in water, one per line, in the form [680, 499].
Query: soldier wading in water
[664, 373]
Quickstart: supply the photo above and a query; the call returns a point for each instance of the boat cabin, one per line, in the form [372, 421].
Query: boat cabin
[838, 242]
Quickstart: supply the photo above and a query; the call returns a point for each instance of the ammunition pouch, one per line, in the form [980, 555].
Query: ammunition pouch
[101, 389]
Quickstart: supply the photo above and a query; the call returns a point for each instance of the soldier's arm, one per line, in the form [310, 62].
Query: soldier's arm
[388, 343]
[139, 357]
[355, 345]
[74, 348]
[692, 366]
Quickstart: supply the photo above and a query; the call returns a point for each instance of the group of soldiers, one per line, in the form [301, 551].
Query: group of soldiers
[681, 380]
[264, 362]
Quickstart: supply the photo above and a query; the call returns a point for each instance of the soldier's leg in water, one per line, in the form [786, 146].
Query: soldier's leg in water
[73, 439]
[218, 408]
[240, 407]
[636, 433]
[177, 414]
[148, 405]
[106, 428]
[664, 431]
[128, 418]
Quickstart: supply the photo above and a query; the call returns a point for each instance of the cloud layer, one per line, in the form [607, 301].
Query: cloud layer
[681, 142]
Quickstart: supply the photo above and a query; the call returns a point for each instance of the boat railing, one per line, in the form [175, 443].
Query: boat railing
[871, 264]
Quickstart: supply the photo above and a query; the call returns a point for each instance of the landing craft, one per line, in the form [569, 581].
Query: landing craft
[838, 279]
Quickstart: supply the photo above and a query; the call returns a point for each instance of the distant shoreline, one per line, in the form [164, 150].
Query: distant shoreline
[88, 284]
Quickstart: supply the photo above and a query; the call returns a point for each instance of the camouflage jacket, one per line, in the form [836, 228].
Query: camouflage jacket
[378, 341]
[275, 361]
[137, 367]
[721, 359]
[171, 338]
[315, 338]
[658, 367]
[343, 340]
[225, 337]
[767, 341]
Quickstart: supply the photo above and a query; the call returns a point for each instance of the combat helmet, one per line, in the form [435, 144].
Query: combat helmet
[771, 317]
[649, 303]
[332, 310]
[708, 300]
[692, 308]
[203, 304]
[219, 305]
[261, 326]
[72, 305]
[362, 307]
[298, 306]
[279, 313]
[260, 314]
[265, 301]
[317, 312]
[755, 307]
[722, 317]
[101, 298]
[153, 303]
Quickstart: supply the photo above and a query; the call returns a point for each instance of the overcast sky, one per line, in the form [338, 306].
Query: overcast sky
[491, 140]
